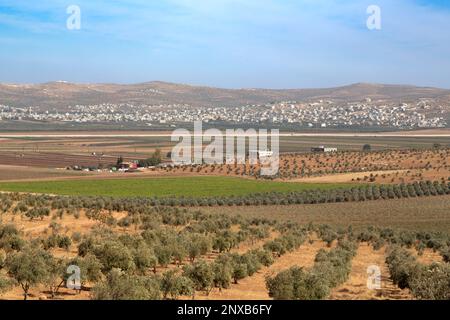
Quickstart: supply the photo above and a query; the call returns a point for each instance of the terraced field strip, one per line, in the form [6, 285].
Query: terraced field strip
[355, 288]
[254, 287]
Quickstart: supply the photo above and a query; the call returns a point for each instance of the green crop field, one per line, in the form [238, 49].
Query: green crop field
[160, 187]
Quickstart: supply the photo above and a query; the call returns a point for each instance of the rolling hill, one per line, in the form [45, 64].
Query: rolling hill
[59, 95]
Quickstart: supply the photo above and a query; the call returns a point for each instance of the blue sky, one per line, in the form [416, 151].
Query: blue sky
[227, 43]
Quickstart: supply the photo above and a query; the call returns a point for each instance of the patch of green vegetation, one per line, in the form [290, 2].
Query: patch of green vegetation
[162, 187]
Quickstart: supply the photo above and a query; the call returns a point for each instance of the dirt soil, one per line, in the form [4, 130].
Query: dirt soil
[355, 288]
[254, 287]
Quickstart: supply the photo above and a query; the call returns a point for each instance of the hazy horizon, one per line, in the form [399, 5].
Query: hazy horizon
[211, 86]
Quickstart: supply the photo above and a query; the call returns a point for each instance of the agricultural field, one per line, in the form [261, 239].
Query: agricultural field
[426, 213]
[200, 186]
[8, 173]
[392, 159]
[274, 154]
[209, 232]
[390, 166]
[130, 249]
[60, 151]
[355, 143]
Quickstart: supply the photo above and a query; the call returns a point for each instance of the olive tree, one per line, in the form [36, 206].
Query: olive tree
[121, 286]
[144, 258]
[297, 284]
[239, 271]
[223, 272]
[201, 275]
[175, 285]
[28, 268]
[431, 282]
[113, 254]
[55, 270]
[90, 269]
[198, 245]
[163, 254]
[5, 284]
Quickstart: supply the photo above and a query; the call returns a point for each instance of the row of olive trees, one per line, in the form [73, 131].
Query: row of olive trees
[102, 251]
[198, 276]
[419, 240]
[34, 266]
[349, 194]
[431, 282]
[331, 268]
[37, 206]
[123, 263]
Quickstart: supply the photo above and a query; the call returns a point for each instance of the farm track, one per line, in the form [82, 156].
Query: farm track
[254, 287]
[355, 288]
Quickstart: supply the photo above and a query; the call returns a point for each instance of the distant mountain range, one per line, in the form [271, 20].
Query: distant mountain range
[59, 95]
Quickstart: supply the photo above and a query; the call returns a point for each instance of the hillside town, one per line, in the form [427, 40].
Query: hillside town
[319, 114]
